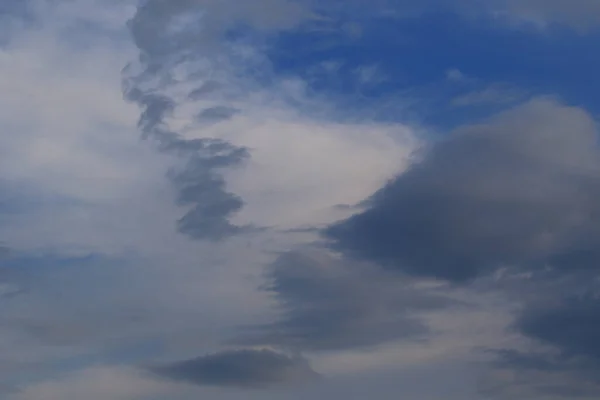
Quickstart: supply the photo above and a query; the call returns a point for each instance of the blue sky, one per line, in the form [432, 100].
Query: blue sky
[416, 54]
[282, 199]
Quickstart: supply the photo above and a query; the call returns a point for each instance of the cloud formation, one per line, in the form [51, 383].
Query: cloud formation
[171, 35]
[335, 304]
[583, 15]
[506, 199]
[240, 368]
[519, 189]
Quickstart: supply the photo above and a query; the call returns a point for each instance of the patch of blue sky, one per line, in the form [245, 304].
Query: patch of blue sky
[412, 56]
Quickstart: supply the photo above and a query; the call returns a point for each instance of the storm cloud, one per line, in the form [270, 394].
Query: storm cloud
[520, 189]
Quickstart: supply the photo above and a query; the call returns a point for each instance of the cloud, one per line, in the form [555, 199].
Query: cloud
[242, 152]
[70, 152]
[214, 101]
[556, 355]
[583, 15]
[543, 375]
[118, 383]
[495, 94]
[176, 34]
[335, 304]
[156, 20]
[519, 189]
[81, 183]
[240, 368]
[198, 182]
[572, 326]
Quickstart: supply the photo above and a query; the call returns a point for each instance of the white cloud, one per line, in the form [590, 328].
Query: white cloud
[73, 146]
[69, 141]
[301, 168]
[97, 188]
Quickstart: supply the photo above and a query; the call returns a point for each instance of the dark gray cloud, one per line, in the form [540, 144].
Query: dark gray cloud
[205, 89]
[571, 325]
[165, 42]
[199, 184]
[522, 188]
[543, 375]
[240, 368]
[560, 320]
[331, 304]
[216, 114]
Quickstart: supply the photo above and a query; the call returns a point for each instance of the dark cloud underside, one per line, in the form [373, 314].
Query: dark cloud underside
[520, 189]
[240, 368]
[330, 304]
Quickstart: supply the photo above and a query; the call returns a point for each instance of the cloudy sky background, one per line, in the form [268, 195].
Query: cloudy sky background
[276, 199]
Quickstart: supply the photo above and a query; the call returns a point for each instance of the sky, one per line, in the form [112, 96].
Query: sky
[291, 199]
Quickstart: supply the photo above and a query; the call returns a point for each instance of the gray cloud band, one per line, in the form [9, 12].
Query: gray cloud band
[330, 304]
[199, 183]
[240, 368]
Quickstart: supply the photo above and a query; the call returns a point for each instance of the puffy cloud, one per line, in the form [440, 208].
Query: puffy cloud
[519, 189]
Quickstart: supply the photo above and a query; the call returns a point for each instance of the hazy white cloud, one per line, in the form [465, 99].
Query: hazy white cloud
[96, 383]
